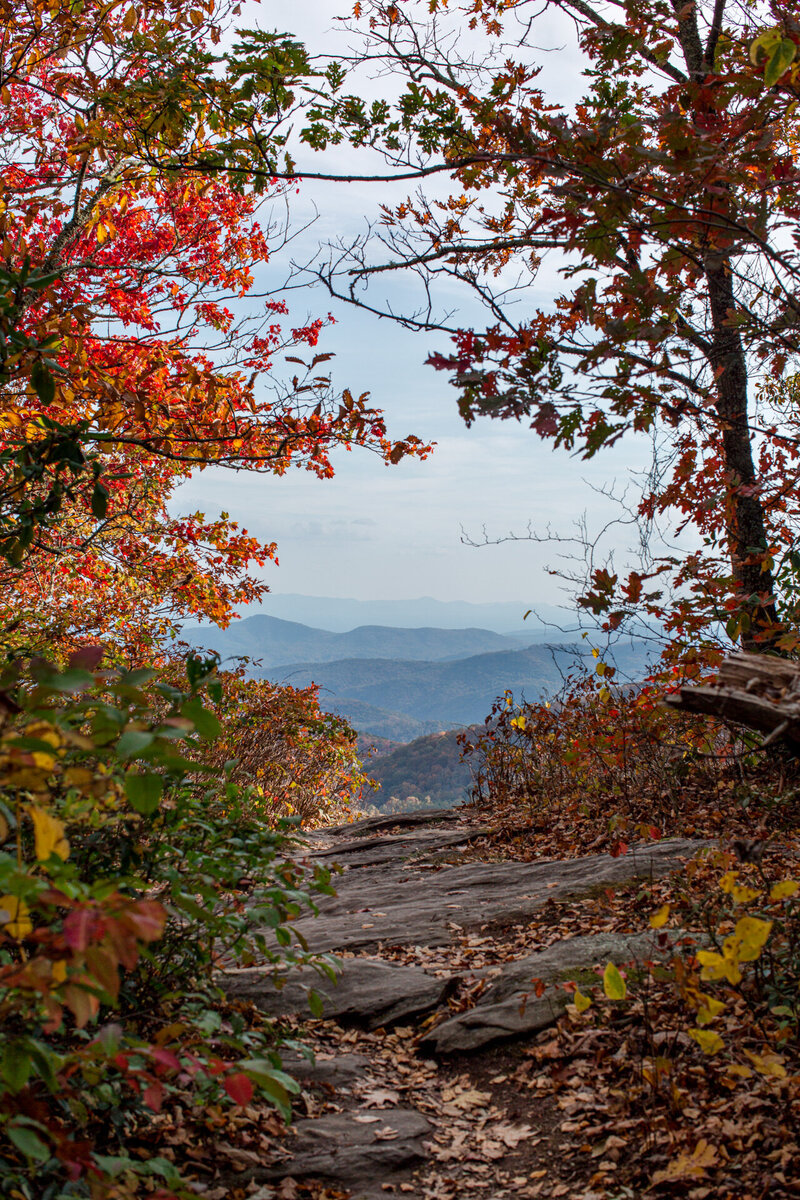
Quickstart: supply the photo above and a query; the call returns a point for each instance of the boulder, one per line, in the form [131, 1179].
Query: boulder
[367, 992]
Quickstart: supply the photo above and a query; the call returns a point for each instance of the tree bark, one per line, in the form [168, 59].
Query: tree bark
[746, 526]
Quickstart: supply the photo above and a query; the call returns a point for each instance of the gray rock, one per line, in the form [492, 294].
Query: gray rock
[396, 905]
[508, 1007]
[338, 1072]
[394, 848]
[352, 1147]
[409, 820]
[368, 992]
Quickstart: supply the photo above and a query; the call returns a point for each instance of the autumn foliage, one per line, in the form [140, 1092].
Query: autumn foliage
[142, 796]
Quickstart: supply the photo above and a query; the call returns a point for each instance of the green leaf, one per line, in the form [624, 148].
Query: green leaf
[205, 722]
[43, 383]
[613, 983]
[99, 501]
[27, 1141]
[315, 1003]
[144, 791]
[135, 679]
[16, 1067]
[779, 61]
[133, 741]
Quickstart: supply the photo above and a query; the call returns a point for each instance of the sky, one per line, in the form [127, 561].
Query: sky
[378, 532]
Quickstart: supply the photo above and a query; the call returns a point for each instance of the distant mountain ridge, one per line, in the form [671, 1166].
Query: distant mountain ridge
[402, 683]
[339, 614]
[450, 693]
[275, 641]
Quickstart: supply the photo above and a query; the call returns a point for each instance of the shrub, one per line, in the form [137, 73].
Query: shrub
[124, 881]
[614, 762]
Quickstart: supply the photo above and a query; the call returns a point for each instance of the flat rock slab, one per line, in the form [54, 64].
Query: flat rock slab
[370, 825]
[372, 851]
[358, 1149]
[367, 992]
[397, 905]
[508, 1007]
[338, 1071]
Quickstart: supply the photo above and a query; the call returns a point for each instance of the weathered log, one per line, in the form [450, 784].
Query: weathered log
[755, 690]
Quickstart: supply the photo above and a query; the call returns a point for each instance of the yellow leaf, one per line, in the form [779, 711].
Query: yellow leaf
[49, 833]
[784, 889]
[768, 1064]
[688, 1166]
[45, 762]
[748, 938]
[728, 881]
[18, 922]
[77, 777]
[740, 1070]
[102, 234]
[129, 20]
[580, 1001]
[708, 1009]
[715, 966]
[744, 895]
[59, 971]
[660, 918]
[708, 1041]
[613, 983]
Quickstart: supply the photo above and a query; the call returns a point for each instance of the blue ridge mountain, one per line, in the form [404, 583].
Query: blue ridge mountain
[274, 641]
[450, 693]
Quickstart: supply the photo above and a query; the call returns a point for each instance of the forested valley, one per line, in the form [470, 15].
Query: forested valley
[225, 972]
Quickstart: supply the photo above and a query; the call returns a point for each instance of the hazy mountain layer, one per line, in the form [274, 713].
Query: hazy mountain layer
[366, 718]
[275, 641]
[450, 693]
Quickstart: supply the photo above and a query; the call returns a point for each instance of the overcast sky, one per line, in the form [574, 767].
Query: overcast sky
[378, 532]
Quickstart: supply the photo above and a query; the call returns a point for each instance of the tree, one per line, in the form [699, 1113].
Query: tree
[134, 346]
[667, 197]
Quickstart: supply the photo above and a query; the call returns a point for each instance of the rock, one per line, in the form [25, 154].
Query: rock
[358, 1149]
[369, 852]
[409, 820]
[397, 905]
[367, 992]
[338, 1071]
[508, 1008]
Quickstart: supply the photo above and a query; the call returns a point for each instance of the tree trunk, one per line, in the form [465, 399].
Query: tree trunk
[746, 527]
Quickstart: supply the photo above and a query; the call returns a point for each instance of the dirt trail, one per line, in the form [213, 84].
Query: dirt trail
[422, 1086]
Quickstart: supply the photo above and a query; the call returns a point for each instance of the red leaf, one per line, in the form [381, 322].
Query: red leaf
[87, 658]
[165, 1058]
[146, 918]
[239, 1088]
[81, 927]
[618, 849]
[153, 1096]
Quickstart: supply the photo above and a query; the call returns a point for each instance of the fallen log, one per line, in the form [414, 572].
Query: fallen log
[755, 690]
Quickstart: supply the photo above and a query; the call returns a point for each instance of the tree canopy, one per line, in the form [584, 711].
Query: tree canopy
[666, 198]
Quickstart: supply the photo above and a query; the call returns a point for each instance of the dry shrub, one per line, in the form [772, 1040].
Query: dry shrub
[616, 762]
[298, 760]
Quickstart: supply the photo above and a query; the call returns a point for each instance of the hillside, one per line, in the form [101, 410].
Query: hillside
[447, 693]
[274, 641]
[428, 769]
[383, 723]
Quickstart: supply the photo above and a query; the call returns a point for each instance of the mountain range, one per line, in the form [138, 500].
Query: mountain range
[451, 692]
[546, 622]
[273, 641]
[402, 683]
